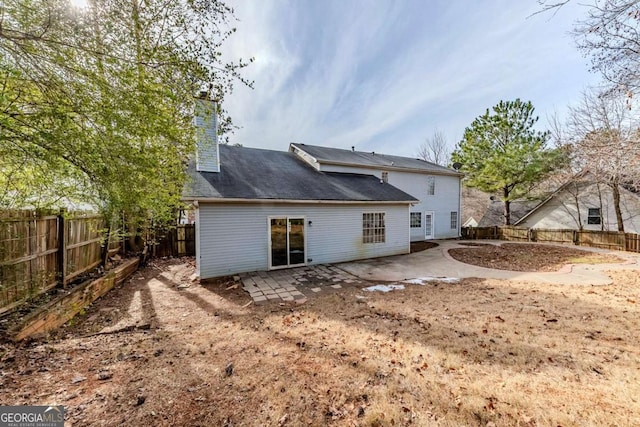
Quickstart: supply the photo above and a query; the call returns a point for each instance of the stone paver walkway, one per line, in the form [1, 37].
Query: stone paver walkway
[296, 283]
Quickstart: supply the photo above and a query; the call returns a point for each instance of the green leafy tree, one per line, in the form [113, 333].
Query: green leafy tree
[502, 153]
[96, 102]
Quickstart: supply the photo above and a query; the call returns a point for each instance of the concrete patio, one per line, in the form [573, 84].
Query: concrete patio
[435, 263]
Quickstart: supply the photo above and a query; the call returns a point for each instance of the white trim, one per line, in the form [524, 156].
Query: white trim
[385, 167]
[198, 230]
[269, 257]
[433, 225]
[389, 168]
[308, 158]
[312, 202]
[385, 228]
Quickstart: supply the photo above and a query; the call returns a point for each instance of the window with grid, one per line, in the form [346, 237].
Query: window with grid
[454, 220]
[385, 176]
[416, 219]
[373, 229]
[431, 185]
[594, 216]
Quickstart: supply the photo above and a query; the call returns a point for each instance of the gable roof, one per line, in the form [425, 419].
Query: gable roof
[495, 212]
[256, 174]
[340, 156]
[584, 176]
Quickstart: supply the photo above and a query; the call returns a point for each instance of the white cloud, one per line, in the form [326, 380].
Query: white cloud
[384, 75]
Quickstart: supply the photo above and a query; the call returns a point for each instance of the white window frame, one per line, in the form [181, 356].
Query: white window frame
[269, 256]
[431, 185]
[454, 220]
[412, 217]
[374, 227]
[597, 217]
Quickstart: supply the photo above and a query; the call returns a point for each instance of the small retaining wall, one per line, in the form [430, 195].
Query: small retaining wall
[57, 312]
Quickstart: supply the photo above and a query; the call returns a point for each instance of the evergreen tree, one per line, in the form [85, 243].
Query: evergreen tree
[502, 153]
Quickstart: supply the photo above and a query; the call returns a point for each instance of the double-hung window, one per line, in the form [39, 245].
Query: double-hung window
[373, 228]
[431, 185]
[594, 217]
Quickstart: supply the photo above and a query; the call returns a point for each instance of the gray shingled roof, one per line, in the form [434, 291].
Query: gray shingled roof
[338, 155]
[495, 212]
[249, 173]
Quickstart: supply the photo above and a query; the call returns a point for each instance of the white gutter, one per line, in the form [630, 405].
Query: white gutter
[308, 202]
[391, 168]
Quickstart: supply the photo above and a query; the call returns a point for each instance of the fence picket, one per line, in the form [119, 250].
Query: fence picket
[613, 240]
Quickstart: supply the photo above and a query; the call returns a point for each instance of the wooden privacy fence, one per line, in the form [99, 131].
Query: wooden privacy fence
[176, 241]
[615, 240]
[39, 251]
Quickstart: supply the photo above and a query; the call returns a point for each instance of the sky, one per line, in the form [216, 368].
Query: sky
[384, 75]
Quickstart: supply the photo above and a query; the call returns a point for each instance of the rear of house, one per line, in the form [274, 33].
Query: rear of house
[240, 237]
[436, 214]
[264, 209]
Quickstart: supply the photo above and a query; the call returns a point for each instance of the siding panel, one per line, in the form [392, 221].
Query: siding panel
[233, 238]
[445, 200]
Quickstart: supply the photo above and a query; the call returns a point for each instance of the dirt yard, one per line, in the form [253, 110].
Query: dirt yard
[527, 257]
[162, 351]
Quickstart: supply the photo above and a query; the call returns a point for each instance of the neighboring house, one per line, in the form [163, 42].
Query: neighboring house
[263, 209]
[474, 204]
[581, 203]
[494, 215]
[470, 222]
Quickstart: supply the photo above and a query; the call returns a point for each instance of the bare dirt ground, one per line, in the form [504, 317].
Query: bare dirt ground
[527, 257]
[162, 351]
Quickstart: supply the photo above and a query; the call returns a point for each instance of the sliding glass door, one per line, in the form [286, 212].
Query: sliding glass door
[286, 242]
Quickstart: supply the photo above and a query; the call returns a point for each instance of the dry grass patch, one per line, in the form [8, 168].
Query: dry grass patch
[473, 353]
[528, 257]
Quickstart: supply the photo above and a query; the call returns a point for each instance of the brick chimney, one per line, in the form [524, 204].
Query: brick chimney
[206, 122]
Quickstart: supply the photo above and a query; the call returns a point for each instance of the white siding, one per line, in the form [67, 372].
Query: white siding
[207, 151]
[562, 210]
[233, 238]
[445, 200]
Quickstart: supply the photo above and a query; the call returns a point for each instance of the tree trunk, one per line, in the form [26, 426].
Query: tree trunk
[507, 207]
[616, 204]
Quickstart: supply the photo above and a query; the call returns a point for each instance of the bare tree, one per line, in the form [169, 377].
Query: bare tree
[605, 140]
[610, 36]
[435, 149]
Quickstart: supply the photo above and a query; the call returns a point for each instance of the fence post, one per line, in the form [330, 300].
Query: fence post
[62, 248]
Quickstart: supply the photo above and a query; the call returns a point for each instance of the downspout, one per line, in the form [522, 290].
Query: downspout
[198, 260]
[459, 205]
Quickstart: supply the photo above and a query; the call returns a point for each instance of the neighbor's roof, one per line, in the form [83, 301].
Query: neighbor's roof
[255, 174]
[495, 212]
[372, 159]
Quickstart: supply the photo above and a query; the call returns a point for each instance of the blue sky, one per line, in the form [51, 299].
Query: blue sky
[383, 75]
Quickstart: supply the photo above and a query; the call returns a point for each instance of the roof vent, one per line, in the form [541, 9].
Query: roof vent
[353, 148]
[373, 153]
